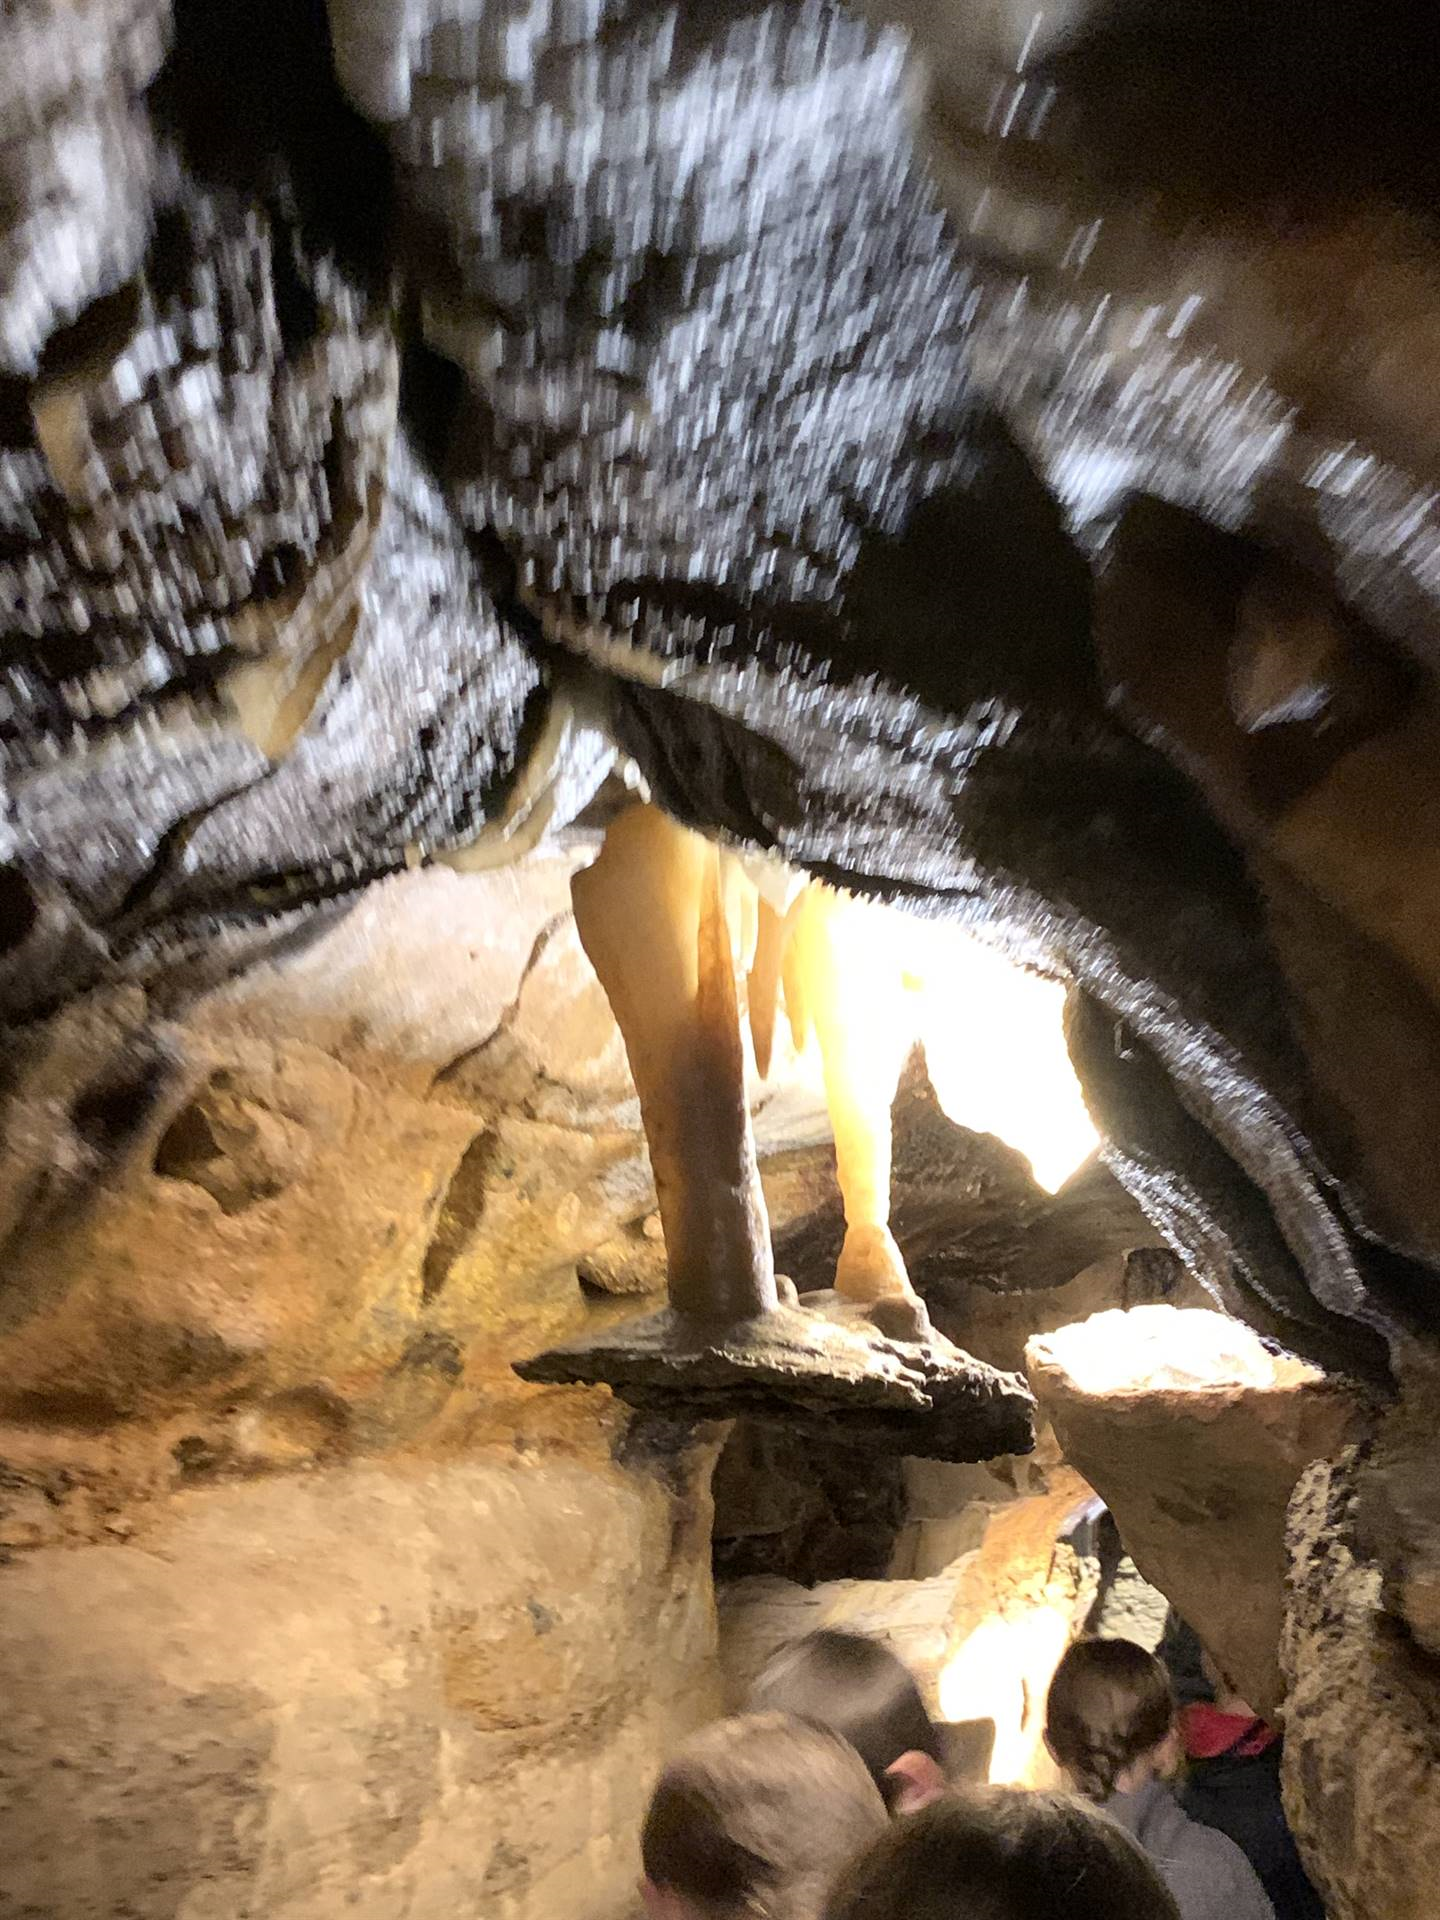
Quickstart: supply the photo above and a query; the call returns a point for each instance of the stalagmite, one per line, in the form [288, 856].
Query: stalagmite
[650, 917]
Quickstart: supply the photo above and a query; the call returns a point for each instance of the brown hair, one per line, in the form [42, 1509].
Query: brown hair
[860, 1690]
[1110, 1703]
[1002, 1854]
[755, 1816]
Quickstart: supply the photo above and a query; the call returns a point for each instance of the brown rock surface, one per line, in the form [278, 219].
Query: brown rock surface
[690, 438]
[1194, 1434]
[1362, 1741]
[364, 1180]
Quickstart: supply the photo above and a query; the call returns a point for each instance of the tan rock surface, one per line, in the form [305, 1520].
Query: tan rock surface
[1195, 1434]
[309, 1602]
[413, 1690]
[1362, 1742]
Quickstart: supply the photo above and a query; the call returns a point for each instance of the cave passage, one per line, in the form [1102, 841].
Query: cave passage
[719, 912]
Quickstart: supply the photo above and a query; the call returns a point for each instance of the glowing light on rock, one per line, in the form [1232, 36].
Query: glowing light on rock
[1002, 1672]
[993, 1033]
[1164, 1349]
[995, 1045]
[849, 959]
[667, 920]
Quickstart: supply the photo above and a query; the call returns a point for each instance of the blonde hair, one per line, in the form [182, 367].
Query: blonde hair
[755, 1816]
[1110, 1704]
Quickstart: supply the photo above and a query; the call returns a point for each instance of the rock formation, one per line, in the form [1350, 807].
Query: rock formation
[993, 471]
[1361, 1755]
[1195, 1437]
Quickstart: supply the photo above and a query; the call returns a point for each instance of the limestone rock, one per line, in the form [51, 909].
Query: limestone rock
[446, 1687]
[823, 1369]
[1362, 1715]
[1397, 1506]
[967, 1213]
[1194, 1435]
[221, 514]
[633, 1262]
[670, 418]
[343, 1194]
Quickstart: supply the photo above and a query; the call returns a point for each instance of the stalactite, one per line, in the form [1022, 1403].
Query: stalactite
[762, 986]
[844, 962]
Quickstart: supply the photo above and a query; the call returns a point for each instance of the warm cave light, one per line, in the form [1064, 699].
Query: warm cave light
[1002, 1672]
[995, 1044]
[1177, 1349]
[993, 1035]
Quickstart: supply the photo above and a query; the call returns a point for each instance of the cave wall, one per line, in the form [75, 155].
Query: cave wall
[422, 1688]
[311, 1598]
[403, 418]
[1362, 1762]
[310, 1604]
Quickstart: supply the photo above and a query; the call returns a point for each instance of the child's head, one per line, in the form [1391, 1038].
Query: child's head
[1001, 1854]
[753, 1819]
[1110, 1718]
[861, 1691]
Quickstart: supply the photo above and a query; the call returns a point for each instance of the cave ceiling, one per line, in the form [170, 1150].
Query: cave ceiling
[1000, 478]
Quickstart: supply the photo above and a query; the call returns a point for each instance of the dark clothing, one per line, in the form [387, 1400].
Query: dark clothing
[1181, 1655]
[1233, 1779]
[1208, 1876]
[1239, 1794]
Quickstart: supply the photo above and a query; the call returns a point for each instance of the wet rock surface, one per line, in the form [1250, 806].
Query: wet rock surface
[788, 558]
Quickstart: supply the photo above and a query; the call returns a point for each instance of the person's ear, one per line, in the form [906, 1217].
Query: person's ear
[919, 1779]
[1170, 1753]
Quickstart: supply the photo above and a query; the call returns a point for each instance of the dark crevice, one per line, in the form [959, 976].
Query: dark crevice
[432, 390]
[104, 327]
[19, 909]
[109, 1113]
[251, 97]
[17, 423]
[170, 849]
[452, 1069]
[461, 1212]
